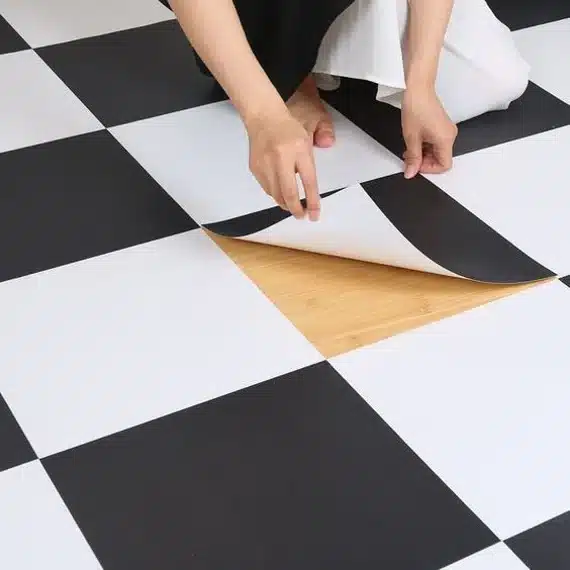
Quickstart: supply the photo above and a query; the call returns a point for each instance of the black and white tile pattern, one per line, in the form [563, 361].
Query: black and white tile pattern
[157, 411]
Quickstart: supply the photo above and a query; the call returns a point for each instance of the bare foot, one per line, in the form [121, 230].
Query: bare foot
[307, 107]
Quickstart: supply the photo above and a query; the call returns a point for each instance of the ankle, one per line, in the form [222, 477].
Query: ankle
[309, 85]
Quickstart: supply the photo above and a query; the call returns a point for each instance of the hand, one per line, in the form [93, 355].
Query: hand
[428, 132]
[279, 149]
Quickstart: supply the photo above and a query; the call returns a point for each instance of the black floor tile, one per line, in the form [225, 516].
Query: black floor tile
[14, 446]
[545, 547]
[449, 234]
[10, 40]
[517, 14]
[535, 112]
[133, 74]
[294, 473]
[76, 198]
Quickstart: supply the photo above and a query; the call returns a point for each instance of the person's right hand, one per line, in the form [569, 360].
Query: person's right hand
[279, 148]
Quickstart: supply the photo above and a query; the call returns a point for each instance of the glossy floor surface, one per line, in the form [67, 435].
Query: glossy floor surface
[174, 400]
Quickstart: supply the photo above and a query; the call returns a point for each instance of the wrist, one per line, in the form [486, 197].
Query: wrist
[420, 86]
[260, 103]
[421, 78]
[267, 110]
[421, 70]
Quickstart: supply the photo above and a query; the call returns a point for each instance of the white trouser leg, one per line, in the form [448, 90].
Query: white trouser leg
[480, 68]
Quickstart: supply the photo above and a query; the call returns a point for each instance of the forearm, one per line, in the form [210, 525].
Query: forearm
[427, 25]
[215, 32]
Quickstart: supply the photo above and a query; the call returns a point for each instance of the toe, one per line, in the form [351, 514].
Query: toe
[324, 134]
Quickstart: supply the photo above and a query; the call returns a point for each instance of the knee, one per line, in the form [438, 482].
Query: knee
[512, 87]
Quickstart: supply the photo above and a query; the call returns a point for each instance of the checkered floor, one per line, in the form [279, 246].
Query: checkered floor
[158, 412]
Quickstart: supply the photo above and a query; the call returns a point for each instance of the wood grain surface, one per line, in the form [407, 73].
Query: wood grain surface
[342, 304]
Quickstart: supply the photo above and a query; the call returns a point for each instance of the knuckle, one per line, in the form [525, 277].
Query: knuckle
[275, 151]
[290, 197]
[452, 132]
[282, 148]
[302, 142]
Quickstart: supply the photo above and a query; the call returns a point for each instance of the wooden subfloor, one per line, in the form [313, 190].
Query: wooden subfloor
[341, 304]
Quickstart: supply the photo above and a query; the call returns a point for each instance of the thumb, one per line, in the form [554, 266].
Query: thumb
[413, 156]
[444, 154]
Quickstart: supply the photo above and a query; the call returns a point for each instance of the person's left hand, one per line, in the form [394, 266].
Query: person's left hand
[428, 132]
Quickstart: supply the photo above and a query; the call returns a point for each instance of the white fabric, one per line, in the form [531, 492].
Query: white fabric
[480, 68]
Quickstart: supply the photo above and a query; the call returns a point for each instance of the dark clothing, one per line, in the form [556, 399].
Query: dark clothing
[285, 36]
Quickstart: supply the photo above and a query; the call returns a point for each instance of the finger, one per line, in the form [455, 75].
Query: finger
[429, 162]
[279, 200]
[307, 172]
[268, 182]
[443, 153]
[275, 190]
[262, 173]
[440, 159]
[287, 183]
[431, 166]
[413, 155]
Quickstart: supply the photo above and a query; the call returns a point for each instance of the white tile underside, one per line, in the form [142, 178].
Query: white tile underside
[351, 226]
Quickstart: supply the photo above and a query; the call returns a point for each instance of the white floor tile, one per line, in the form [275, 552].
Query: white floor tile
[98, 346]
[57, 21]
[483, 399]
[521, 190]
[200, 156]
[36, 106]
[498, 557]
[546, 48]
[36, 530]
